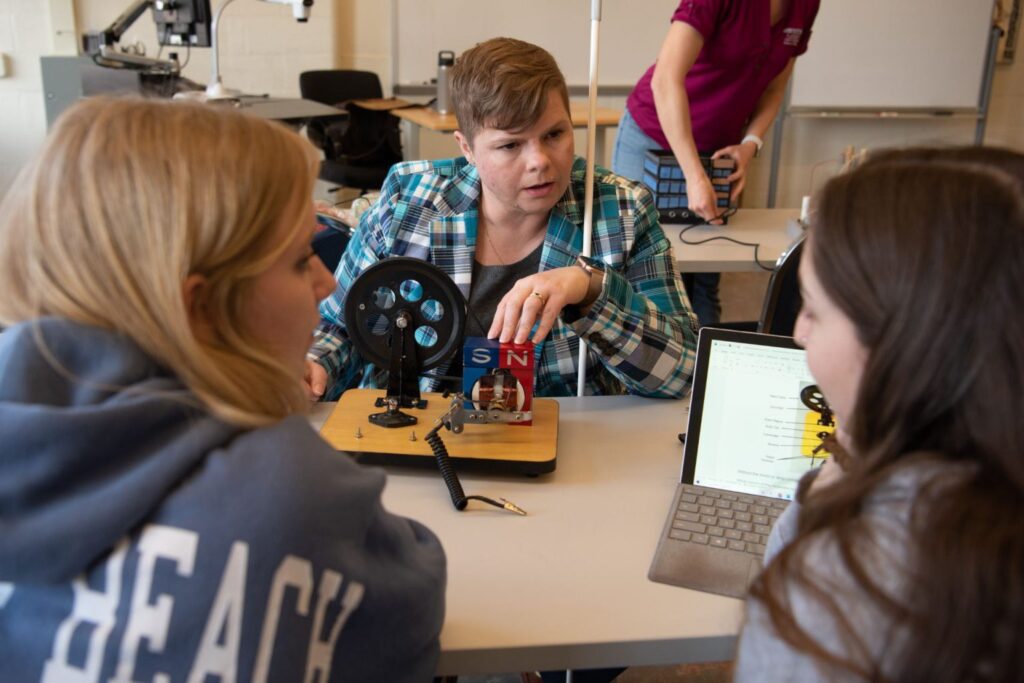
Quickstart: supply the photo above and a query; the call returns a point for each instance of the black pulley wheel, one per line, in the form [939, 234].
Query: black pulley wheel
[405, 291]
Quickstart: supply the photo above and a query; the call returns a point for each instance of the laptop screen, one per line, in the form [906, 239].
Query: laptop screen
[756, 416]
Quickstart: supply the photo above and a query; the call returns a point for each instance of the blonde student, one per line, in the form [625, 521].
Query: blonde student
[166, 511]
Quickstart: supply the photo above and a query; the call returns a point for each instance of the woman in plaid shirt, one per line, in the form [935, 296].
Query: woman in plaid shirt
[505, 222]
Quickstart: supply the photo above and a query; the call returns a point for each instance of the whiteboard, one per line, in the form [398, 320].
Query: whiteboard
[894, 54]
[631, 34]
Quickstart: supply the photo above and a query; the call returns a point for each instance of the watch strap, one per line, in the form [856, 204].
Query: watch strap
[595, 285]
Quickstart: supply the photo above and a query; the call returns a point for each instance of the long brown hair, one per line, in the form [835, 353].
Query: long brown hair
[926, 259]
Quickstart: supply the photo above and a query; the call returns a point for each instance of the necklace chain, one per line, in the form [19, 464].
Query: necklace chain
[487, 236]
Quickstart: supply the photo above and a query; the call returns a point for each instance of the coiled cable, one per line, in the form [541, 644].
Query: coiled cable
[451, 479]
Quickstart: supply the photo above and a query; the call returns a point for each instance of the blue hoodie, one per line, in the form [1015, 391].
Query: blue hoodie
[142, 537]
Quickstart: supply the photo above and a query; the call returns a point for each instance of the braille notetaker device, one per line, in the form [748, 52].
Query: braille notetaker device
[665, 180]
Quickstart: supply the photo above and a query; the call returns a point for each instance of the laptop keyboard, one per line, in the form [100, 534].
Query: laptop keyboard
[725, 520]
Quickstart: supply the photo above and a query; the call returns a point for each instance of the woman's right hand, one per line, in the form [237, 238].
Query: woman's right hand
[701, 198]
[314, 380]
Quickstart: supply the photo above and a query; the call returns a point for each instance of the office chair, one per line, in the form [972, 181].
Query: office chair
[782, 301]
[335, 87]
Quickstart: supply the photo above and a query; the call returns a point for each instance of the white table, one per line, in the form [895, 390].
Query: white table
[566, 586]
[773, 229]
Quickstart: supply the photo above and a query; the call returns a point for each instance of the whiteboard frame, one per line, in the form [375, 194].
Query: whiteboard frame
[980, 114]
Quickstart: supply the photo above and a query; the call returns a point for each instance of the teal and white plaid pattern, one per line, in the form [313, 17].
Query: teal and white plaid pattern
[641, 331]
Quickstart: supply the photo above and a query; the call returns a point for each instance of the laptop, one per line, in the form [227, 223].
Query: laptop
[756, 425]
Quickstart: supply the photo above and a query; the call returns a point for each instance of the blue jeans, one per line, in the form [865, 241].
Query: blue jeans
[631, 144]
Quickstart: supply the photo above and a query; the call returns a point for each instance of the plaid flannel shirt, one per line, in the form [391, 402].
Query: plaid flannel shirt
[641, 331]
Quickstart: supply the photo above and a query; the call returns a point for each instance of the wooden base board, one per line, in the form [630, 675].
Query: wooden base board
[493, 447]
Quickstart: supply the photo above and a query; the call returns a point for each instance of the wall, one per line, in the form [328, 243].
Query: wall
[24, 36]
[263, 51]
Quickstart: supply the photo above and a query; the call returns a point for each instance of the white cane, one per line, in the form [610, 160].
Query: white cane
[588, 210]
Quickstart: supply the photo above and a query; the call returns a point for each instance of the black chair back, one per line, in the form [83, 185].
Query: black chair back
[782, 301]
[335, 87]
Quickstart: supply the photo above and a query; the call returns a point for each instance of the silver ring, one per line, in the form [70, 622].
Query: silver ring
[540, 296]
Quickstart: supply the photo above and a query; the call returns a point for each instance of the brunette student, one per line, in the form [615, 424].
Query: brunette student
[166, 510]
[904, 560]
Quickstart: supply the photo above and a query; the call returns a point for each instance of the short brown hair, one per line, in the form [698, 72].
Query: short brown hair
[504, 83]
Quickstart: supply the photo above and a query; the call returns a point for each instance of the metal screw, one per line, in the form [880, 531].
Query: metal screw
[412, 436]
[359, 433]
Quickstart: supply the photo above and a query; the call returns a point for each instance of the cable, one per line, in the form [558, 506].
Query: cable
[725, 214]
[459, 498]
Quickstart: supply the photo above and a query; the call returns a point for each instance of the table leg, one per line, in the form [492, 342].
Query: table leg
[412, 140]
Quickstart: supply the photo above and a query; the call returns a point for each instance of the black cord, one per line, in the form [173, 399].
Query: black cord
[725, 214]
[451, 479]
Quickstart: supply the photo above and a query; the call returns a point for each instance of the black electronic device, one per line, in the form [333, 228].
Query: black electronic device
[183, 23]
[664, 178]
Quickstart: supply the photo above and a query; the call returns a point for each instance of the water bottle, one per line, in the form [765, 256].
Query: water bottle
[445, 61]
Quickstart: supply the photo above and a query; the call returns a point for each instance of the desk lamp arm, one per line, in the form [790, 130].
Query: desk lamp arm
[216, 88]
[117, 29]
[100, 45]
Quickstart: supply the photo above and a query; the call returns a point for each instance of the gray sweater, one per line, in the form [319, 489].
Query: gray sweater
[764, 656]
[143, 539]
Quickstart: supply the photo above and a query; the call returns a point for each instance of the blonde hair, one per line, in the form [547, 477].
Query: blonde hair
[504, 83]
[126, 200]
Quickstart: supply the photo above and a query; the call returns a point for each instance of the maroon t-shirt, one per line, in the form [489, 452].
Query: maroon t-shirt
[741, 55]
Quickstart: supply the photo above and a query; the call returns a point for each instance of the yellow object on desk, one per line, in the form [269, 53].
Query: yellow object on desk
[496, 447]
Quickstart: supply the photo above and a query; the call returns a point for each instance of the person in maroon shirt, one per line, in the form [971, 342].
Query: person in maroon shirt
[716, 88]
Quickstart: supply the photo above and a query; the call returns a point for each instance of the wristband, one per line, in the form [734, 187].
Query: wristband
[758, 142]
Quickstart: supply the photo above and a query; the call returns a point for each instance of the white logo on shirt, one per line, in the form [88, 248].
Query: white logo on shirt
[791, 36]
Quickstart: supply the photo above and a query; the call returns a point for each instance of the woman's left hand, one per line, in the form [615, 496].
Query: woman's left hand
[537, 299]
[741, 154]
